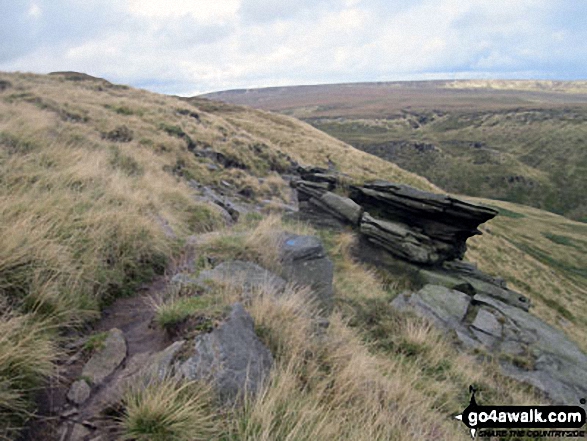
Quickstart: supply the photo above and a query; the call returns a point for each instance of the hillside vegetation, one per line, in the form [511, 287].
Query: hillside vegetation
[94, 175]
[520, 141]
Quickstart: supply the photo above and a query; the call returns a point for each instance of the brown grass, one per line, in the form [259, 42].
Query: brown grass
[82, 225]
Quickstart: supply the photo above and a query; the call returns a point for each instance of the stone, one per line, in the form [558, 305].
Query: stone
[430, 277]
[508, 296]
[308, 189]
[444, 306]
[445, 221]
[160, 364]
[305, 263]
[232, 356]
[141, 369]
[319, 174]
[341, 207]
[246, 274]
[79, 392]
[225, 215]
[79, 433]
[487, 322]
[560, 367]
[234, 209]
[105, 361]
[467, 278]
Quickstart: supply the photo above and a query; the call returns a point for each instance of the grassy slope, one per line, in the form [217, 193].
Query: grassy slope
[81, 224]
[521, 141]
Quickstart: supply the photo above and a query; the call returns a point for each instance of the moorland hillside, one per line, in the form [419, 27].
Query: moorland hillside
[110, 194]
[519, 141]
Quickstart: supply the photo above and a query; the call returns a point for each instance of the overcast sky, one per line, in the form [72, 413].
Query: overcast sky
[188, 47]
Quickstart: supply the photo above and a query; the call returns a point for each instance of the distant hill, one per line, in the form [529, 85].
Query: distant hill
[520, 141]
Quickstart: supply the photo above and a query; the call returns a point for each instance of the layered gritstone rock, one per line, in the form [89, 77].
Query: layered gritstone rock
[414, 225]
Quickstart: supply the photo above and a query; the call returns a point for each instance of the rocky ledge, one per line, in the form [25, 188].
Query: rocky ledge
[417, 226]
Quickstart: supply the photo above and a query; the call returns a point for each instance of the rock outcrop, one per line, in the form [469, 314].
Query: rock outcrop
[423, 235]
[414, 225]
[529, 349]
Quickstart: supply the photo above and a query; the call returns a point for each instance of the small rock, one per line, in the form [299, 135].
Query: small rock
[304, 262]
[107, 359]
[72, 411]
[79, 433]
[79, 392]
[486, 322]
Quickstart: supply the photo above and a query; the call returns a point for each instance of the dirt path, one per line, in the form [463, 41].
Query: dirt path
[59, 419]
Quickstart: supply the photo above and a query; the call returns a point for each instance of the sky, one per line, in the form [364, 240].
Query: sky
[188, 47]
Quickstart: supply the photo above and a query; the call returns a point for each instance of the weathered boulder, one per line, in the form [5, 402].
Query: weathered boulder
[105, 361]
[529, 349]
[445, 220]
[340, 207]
[304, 262]
[246, 274]
[232, 356]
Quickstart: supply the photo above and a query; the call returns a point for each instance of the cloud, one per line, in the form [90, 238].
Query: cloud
[192, 46]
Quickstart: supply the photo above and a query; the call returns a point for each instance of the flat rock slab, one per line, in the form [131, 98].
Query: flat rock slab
[446, 307]
[246, 274]
[232, 356]
[107, 359]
